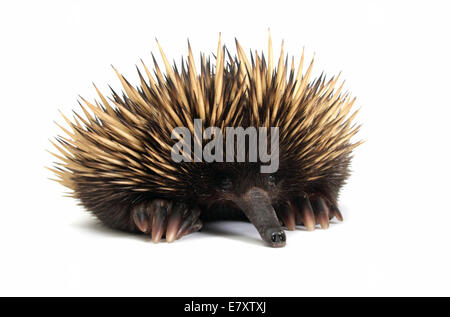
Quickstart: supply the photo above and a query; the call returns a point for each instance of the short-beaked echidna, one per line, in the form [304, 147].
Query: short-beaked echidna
[117, 157]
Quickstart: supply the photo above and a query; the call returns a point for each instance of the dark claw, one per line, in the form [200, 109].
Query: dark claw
[174, 221]
[306, 213]
[287, 214]
[160, 210]
[190, 224]
[161, 218]
[194, 227]
[140, 217]
[337, 213]
[321, 210]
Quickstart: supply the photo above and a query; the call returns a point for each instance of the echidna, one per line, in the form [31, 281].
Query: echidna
[117, 160]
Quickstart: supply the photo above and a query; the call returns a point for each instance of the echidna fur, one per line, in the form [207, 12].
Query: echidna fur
[117, 157]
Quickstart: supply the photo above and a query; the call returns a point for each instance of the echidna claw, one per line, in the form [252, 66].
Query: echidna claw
[287, 215]
[141, 217]
[308, 210]
[163, 219]
[306, 214]
[337, 213]
[321, 211]
[159, 210]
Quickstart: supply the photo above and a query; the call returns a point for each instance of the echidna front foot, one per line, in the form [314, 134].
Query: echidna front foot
[309, 210]
[162, 218]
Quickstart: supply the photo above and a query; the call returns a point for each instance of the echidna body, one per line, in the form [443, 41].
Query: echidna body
[117, 158]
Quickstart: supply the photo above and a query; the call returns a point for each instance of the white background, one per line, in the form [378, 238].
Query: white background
[395, 238]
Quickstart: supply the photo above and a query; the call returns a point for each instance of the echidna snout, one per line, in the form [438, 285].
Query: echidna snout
[256, 205]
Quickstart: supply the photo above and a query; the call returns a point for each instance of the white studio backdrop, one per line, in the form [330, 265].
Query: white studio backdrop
[394, 57]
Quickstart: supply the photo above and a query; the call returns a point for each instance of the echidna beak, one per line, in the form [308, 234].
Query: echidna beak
[255, 203]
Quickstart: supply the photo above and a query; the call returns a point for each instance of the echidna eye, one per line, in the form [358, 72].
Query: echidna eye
[271, 180]
[226, 183]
